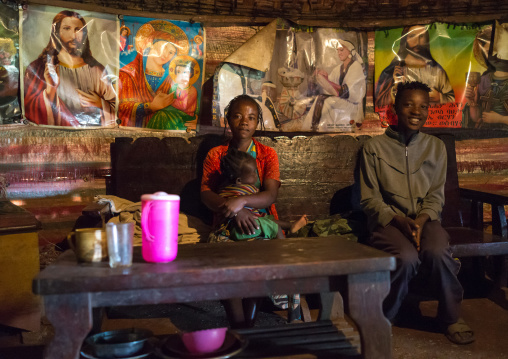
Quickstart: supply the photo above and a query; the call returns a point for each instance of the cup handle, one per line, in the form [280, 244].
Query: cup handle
[70, 239]
[144, 222]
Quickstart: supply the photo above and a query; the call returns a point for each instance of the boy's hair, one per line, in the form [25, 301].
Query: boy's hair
[240, 98]
[413, 85]
[186, 65]
[231, 164]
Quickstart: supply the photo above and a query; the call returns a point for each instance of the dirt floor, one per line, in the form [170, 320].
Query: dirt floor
[417, 340]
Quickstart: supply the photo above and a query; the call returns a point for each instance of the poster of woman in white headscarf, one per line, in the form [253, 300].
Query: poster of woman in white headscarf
[67, 61]
[161, 73]
[316, 81]
[339, 83]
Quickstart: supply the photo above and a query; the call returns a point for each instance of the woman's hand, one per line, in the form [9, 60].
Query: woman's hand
[246, 221]
[323, 73]
[161, 100]
[232, 206]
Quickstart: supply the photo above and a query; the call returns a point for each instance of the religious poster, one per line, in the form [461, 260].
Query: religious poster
[161, 73]
[439, 55]
[487, 81]
[10, 111]
[315, 81]
[69, 67]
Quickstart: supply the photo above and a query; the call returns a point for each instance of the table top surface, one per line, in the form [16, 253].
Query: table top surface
[16, 219]
[490, 193]
[208, 263]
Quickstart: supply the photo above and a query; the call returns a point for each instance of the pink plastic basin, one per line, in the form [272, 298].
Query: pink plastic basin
[204, 341]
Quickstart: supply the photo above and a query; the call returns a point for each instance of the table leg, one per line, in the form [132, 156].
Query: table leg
[71, 316]
[332, 306]
[366, 292]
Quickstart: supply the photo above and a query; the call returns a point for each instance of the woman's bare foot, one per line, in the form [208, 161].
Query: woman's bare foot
[296, 225]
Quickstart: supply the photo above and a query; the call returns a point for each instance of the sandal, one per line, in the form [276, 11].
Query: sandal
[460, 333]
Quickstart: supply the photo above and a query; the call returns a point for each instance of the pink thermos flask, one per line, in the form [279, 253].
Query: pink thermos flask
[159, 226]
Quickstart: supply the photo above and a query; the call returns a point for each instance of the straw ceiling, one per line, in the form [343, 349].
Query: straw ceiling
[366, 14]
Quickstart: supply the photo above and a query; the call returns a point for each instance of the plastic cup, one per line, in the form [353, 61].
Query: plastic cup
[120, 237]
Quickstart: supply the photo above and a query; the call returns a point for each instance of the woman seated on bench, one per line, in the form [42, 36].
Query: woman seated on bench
[243, 115]
[402, 178]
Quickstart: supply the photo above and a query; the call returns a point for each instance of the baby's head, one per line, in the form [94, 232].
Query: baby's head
[238, 167]
[184, 71]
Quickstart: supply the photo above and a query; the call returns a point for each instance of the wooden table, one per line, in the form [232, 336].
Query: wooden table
[497, 198]
[19, 264]
[221, 271]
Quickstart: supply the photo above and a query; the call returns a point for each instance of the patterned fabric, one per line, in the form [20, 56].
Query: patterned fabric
[253, 152]
[282, 301]
[240, 190]
[267, 165]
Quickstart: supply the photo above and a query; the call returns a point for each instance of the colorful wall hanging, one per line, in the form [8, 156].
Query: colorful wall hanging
[10, 112]
[439, 55]
[69, 65]
[161, 73]
[316, 80]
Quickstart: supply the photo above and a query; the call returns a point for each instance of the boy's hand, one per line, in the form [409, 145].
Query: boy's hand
[407, 226]
[420, 222]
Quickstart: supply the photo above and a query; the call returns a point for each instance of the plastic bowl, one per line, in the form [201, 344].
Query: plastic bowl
[118, 343]
[204, 341]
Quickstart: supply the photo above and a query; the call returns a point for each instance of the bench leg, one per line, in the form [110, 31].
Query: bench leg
[366, 292]
[476, 220]
[71, 316]
[500, 228]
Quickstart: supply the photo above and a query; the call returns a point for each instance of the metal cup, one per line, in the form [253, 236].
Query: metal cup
[89, 244]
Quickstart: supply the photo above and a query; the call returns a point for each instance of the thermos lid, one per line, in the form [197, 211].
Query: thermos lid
[160, 196]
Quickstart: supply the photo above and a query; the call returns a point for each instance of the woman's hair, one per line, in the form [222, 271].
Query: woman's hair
[232, 163]
[413, 85]
[241, 98]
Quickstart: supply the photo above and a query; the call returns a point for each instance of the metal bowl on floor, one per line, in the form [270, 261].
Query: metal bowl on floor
[118, 343]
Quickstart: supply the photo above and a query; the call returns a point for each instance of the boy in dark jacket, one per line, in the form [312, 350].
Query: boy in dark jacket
[403, 174]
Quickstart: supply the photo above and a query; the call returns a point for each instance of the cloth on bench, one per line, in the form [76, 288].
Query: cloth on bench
[337, 224]
[190, 229]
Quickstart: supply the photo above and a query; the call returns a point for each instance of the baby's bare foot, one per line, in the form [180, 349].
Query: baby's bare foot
[295, 226]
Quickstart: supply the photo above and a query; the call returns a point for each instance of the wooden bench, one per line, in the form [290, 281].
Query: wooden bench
[319, 176]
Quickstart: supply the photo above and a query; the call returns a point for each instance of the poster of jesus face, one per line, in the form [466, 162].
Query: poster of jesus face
[68, 80]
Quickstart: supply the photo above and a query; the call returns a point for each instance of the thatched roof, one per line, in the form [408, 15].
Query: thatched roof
[365, 14]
